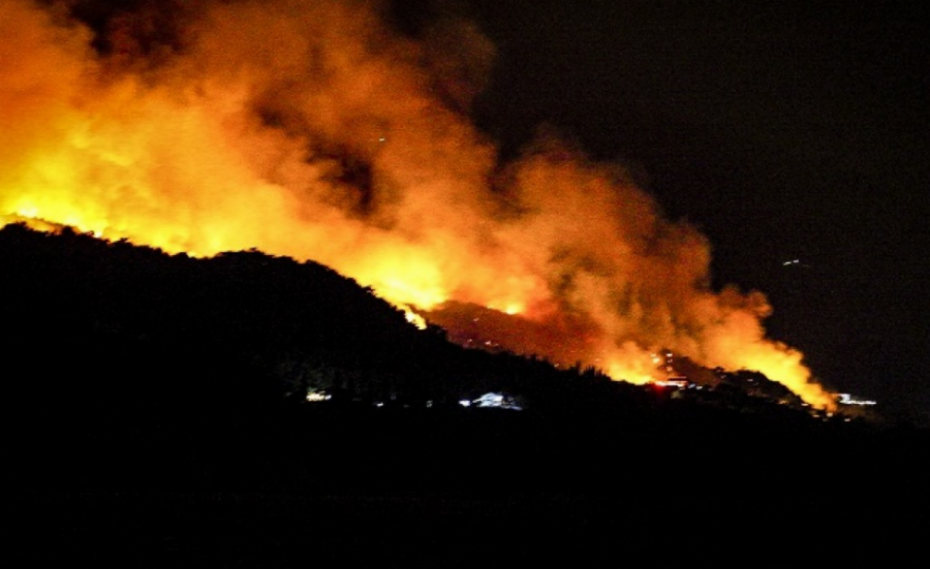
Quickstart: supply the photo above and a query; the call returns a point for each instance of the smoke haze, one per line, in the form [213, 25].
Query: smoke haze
[318, 131]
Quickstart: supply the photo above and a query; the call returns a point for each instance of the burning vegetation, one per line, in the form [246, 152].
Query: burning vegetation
[316, 131]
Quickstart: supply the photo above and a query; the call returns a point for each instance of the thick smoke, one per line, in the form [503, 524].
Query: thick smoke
[316, 130]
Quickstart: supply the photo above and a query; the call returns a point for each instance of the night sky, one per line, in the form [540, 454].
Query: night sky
[795, 130]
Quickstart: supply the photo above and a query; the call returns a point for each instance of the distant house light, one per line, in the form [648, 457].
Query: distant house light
[317, 396]
[847, 399]
[490, 400]
[679, 382]
[496, 401]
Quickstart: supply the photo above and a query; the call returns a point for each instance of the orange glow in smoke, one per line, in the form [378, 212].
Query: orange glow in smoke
[312, 130]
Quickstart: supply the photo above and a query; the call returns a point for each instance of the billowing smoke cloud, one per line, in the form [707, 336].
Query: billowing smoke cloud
[315, 130]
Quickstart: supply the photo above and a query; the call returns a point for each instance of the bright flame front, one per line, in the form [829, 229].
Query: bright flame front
[312, 130]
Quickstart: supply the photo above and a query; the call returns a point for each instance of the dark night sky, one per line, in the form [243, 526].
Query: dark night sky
[793, 130]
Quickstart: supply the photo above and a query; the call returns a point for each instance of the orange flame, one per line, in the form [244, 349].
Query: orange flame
[312, 130]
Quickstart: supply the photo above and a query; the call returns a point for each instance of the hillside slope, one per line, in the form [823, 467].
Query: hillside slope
[168, 393]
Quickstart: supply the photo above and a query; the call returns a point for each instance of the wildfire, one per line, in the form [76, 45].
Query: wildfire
[313, 130]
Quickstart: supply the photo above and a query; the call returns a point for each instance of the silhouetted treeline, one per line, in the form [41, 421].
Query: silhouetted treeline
[156, 366]
[135, 324]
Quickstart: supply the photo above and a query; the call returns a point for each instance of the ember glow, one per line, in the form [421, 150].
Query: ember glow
[314, 130]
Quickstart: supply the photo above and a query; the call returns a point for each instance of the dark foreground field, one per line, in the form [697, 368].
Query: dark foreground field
[429, 530]
[449, 489]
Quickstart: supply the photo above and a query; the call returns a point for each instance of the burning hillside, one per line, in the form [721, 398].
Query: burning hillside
[316, 131]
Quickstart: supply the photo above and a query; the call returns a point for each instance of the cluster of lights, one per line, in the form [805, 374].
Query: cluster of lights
[665, 360]
[490, 400]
